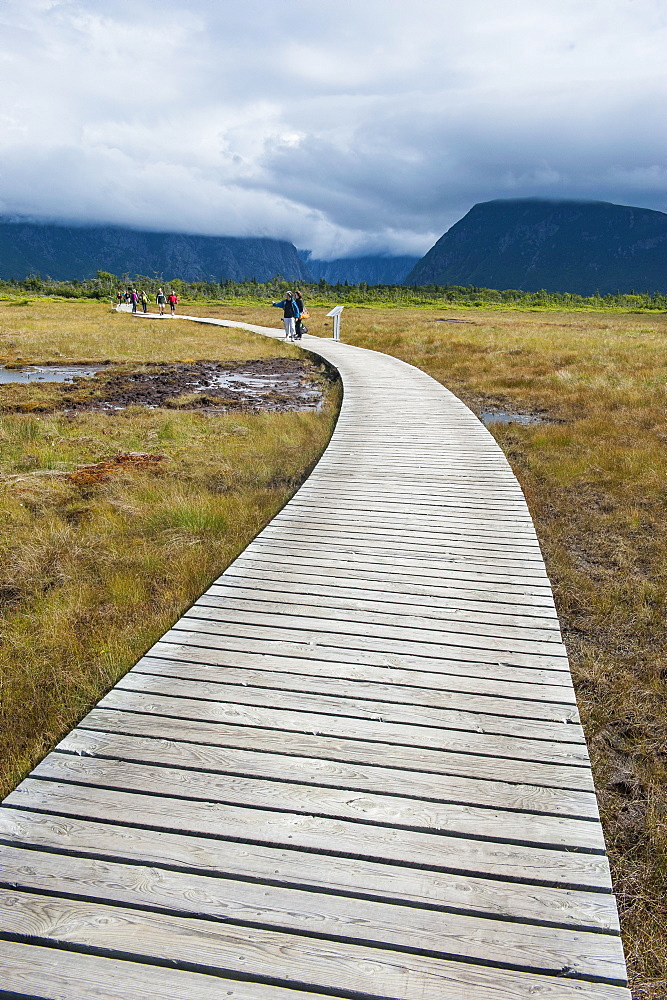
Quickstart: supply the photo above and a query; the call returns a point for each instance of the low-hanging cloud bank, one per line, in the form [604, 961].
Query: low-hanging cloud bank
[348, 128]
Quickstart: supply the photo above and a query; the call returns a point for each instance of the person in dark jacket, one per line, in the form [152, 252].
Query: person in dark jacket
[298, 298]
[291, 313]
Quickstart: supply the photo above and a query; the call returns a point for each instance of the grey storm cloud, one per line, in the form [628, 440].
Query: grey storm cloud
[346, 127]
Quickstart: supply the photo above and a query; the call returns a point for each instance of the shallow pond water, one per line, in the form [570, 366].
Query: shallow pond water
[489, 417]
[47, 373]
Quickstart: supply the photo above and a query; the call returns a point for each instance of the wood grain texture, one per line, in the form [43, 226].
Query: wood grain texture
[349, 727]
[156, 721]
[442, 851]
[290, 794]
[298, 911]
[274, 955]
[353, 768]
[291, 867]
[362, 684]
[339, 699]
[31, 970]
[374, 684]
[167, 749]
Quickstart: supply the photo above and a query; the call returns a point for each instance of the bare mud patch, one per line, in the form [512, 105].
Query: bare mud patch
[268, 384]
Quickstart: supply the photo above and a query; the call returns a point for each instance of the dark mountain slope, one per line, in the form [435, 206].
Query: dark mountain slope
[68, 252]
[374, 270]
[562, 246]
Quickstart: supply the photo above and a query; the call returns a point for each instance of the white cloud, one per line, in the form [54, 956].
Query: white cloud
[347, 127]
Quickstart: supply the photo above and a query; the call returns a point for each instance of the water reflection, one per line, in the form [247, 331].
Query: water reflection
[489, 417]
[47, 373]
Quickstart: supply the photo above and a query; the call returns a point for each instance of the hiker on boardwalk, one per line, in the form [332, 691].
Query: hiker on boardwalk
[298, 323]
[173, 301]
[160, 301]
[134, 298]
[291, 313]
[143, 298]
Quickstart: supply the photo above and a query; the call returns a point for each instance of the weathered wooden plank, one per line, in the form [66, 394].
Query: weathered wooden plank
[345, 703]
[481, 514]
[365, 570]
[273, 865]
[285, 958]
[458, 565]
[436, 541]
[433, 520]
[449, 567]
[489, 678]
[448, 493]
[327, 916]
[289, 794]
[548, 702]
[521, 751]
[330, 837]
[257, 762]
[363, 684]
[529, 600]
[312, 633]
[431, 486]
[545, 777]
[338, 592]
[440, 632]
[280, 601]
[519, 677]
[29, 970]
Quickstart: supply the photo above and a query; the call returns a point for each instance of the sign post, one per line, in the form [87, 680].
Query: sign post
[335, 315]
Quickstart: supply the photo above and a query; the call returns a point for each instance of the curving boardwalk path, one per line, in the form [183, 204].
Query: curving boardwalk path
[354, 768]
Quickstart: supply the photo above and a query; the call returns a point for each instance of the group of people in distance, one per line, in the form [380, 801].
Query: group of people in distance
[294, 312]
[135, 297]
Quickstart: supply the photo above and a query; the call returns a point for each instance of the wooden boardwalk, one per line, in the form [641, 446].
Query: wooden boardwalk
[354, 768]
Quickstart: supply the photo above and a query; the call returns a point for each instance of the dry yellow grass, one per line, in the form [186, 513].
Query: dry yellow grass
[94, 567]
[80, 330]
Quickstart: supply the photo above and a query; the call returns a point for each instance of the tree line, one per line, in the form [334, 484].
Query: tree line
[105, 285]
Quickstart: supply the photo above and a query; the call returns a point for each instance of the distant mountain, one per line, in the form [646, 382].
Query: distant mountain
[561, 246]
[69, 252]
[374, 270]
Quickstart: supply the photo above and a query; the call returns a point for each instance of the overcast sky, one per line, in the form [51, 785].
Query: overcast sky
[345, 126]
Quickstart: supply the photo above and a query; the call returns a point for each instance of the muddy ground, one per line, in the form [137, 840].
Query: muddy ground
[273, 384]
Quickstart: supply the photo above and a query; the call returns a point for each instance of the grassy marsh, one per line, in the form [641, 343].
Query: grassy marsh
[99, 554]
[594, 479]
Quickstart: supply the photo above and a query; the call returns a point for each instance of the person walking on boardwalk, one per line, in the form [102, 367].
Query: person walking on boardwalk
[160, 301]
[298, 323]
[143, 298]
[291, 313]
[173, 301]
[134, 298]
